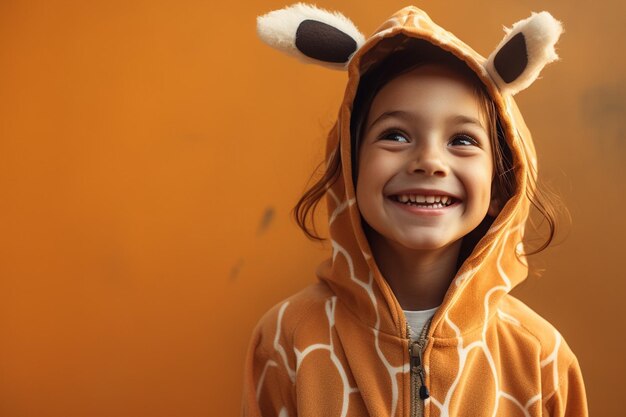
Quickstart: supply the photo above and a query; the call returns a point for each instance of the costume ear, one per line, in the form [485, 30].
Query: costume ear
[311, 34]
[527, 47]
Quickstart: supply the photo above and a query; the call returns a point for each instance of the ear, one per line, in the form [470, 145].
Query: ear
[527, 47]
[494, 207]
[494, 204]
[313, 35]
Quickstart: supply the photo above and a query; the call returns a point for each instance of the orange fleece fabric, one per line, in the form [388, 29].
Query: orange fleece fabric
[340, 347]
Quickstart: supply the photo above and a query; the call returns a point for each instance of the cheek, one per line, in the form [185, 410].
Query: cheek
[366, 169]
[377, 164]
[477, 178]
[371, 180]
[482, 183]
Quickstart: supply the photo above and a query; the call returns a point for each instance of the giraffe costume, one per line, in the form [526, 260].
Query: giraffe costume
[341, 346]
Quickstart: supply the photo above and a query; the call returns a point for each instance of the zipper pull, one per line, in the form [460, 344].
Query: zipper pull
[424, 393]
[416, 366]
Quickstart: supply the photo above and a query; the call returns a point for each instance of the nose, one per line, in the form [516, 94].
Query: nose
[428, 158]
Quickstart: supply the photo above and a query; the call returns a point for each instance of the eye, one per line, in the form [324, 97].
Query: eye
[465, 140]
[395, 136]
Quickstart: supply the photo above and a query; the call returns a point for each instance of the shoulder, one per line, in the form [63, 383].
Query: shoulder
[561, 379]
[555, 358]
[271, 361]
[283, 319]
[546, 336]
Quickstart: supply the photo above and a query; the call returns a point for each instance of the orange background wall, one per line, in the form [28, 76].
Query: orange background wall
[150, 152]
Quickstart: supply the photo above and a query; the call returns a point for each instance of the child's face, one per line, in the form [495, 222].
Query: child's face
[432, 147]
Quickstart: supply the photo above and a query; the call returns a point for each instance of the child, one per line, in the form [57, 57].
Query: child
[430, 174]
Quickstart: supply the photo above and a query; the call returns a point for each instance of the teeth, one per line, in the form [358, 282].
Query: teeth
[433, 201]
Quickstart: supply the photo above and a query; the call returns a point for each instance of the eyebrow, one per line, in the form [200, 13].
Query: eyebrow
[460, 118]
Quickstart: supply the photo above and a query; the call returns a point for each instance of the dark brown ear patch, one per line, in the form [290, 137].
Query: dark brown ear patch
[512, 59]
[324, 42]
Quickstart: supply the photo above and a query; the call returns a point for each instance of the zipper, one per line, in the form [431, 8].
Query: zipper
[419, 390]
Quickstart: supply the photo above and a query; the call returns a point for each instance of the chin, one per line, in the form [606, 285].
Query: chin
[423, 243]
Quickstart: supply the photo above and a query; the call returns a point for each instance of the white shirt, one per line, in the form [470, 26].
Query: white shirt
[417, 319]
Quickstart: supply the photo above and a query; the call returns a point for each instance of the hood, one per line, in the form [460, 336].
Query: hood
[496, 264]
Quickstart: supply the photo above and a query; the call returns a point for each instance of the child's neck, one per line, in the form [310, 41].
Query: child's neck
[419, 279]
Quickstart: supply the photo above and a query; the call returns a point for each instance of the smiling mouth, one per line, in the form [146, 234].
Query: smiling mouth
[438, 204]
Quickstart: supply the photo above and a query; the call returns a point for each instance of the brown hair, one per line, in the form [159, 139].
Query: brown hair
[543, 199]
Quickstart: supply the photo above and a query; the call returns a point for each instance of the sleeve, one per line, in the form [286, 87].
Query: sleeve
[569, 399]
[268, 385]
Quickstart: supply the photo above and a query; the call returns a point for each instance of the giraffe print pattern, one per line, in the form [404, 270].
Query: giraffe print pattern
[340, 346]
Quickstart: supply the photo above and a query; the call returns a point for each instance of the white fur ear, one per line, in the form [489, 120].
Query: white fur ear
[311, 34]
[527, 47]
